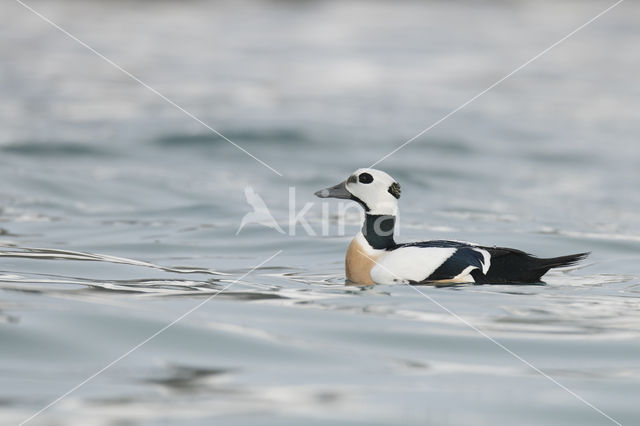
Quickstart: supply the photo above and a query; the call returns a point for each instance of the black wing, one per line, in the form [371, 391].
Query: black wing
[457, 263]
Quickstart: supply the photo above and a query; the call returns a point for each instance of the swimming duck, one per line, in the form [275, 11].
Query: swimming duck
[373, 257]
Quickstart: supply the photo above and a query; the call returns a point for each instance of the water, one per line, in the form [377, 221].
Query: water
[118, 213]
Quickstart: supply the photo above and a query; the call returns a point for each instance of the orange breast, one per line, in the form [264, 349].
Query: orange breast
[358, 264]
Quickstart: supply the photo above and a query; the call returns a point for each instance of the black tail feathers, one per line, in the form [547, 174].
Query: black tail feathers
[562, 261]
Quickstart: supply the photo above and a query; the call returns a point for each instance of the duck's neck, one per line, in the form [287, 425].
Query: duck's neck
[378, 230]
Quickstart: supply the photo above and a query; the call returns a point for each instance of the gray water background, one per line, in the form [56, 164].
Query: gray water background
[93, 164]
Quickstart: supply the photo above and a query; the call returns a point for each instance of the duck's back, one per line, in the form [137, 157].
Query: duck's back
[454, 261]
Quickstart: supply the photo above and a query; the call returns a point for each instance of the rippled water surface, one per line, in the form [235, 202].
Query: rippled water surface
[119, 214]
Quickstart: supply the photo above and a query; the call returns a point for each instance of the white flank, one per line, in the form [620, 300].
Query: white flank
[409, 264]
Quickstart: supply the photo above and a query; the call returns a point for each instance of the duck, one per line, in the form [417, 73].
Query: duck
[373, 256]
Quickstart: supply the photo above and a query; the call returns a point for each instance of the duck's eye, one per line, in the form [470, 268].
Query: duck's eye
[365, 178]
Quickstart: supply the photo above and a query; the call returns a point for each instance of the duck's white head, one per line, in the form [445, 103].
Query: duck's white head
[374, 190]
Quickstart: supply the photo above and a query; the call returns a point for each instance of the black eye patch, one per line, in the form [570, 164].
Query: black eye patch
[365, 178]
